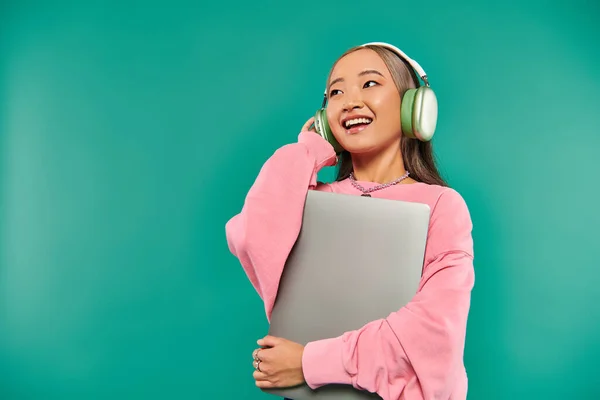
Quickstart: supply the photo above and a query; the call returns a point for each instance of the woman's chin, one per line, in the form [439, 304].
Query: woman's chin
[359, 145]
[365, 144]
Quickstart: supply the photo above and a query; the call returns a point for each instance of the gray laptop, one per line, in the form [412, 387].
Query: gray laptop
[357, 259]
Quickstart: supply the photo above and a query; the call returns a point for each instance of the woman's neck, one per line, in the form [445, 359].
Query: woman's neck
[382, 167]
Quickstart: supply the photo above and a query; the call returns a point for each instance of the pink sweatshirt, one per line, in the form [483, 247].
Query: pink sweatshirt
[414, 353]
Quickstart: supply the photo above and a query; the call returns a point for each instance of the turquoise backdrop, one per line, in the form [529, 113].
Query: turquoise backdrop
[130, 132]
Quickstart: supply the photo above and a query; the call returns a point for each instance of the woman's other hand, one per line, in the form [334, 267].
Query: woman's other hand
[278, 363]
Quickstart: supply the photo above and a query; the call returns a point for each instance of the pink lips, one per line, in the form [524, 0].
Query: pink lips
[356, 128]
[349, 117]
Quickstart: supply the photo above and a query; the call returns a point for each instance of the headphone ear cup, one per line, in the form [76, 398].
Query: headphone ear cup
[323, 129]
[419, 113]
[406, 113]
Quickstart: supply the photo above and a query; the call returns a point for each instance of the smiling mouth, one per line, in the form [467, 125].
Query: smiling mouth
[356, 124]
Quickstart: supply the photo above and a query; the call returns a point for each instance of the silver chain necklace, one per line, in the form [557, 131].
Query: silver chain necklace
[378, 187]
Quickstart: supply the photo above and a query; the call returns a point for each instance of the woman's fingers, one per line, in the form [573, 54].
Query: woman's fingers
[261, 359]
[307, 125]
[260, 376]
[256, 364]
[270, 341]
[255, 354]
[265, 384]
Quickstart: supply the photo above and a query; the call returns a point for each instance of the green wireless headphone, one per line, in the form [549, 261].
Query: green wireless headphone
[418, 112]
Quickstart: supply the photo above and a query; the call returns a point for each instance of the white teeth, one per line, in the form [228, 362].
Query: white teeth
[356, 121]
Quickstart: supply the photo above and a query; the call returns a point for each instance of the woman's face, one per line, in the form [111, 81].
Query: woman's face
[363, 109]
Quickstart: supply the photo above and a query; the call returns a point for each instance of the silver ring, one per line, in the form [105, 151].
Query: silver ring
[255, 354]
[256, 364]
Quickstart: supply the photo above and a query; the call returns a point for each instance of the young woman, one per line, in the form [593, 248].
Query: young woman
[417, 351]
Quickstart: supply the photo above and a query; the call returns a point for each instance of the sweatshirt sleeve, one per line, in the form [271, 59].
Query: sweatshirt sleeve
[262, 235]
[417, 351]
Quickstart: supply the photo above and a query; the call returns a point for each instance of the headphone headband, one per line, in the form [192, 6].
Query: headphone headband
[415, 65]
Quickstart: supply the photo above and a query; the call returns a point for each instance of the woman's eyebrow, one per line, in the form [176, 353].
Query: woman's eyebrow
[362, 73]
[370, 71]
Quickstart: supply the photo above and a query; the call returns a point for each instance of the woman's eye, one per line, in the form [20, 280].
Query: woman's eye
[370, 83]
[333, 92]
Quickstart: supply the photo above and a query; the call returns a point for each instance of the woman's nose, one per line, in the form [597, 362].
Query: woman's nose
[352, 104]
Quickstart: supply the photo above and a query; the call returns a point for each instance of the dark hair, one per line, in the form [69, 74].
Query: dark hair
[418, 156]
